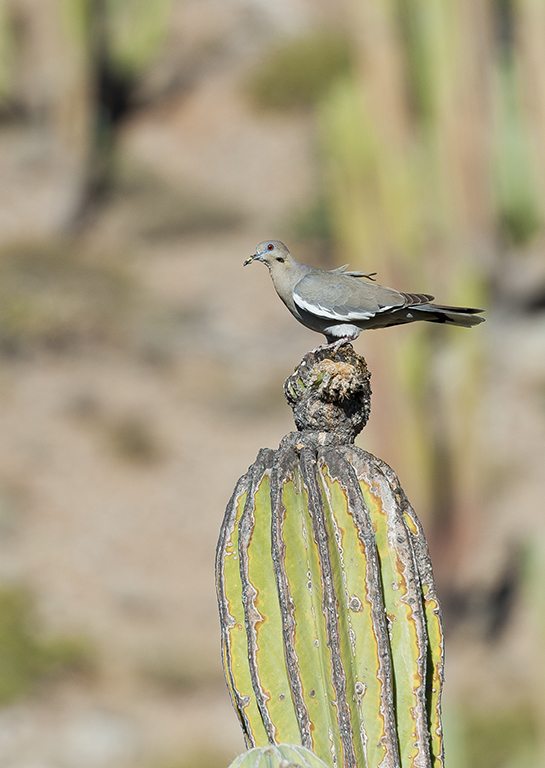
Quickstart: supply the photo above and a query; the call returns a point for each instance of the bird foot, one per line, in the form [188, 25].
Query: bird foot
[334, 346]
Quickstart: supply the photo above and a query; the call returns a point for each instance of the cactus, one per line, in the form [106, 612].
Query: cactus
[331, 628]
[281, 756]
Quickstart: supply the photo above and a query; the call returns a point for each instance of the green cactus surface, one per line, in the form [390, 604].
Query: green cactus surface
[278, 756]
[331, 628]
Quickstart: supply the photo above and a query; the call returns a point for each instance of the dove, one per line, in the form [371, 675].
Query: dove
[340, 303]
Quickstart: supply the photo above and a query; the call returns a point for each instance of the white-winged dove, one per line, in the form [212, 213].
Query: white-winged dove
[340, 304]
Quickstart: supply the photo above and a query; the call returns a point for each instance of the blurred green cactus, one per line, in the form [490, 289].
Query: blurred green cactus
[281, 756]
[135, 30]
[298, 72]
[331, 628]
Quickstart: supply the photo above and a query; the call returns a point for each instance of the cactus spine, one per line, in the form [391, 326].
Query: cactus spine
[331, 628]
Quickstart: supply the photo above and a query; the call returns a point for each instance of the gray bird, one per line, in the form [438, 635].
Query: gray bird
[340, 304]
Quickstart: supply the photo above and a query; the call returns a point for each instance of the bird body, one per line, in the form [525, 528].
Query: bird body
[340, 304]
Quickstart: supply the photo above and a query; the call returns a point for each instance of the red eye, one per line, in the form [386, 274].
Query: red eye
[270, 247]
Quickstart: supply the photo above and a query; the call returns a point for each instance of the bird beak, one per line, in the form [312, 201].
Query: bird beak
[249, 261]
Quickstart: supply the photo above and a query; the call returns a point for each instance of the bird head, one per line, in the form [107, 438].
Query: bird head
[272, 253]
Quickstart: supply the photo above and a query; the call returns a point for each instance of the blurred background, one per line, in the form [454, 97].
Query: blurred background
[146, 147]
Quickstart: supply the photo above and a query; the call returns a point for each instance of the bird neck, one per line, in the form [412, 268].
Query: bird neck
[285, 277]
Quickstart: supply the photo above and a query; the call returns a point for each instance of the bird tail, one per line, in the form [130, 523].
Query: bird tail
[465, 317]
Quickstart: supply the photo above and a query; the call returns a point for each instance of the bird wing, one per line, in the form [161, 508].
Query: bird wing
[344, 298]
[353, 273]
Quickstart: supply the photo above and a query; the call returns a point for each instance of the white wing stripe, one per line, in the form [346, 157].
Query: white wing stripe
[317, 309]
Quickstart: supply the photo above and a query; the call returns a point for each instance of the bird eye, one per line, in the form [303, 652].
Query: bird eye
[280, 259]
[270, 247]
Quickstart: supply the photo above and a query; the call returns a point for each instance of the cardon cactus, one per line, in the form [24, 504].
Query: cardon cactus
[281, 756]
[331, 628]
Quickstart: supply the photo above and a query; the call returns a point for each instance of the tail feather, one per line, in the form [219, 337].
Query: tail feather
[461, 316]
[463, 310]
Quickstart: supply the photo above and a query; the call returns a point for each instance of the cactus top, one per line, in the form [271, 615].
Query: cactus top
[330, 394]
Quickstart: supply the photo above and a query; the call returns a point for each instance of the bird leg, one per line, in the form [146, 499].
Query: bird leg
[334, 346]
